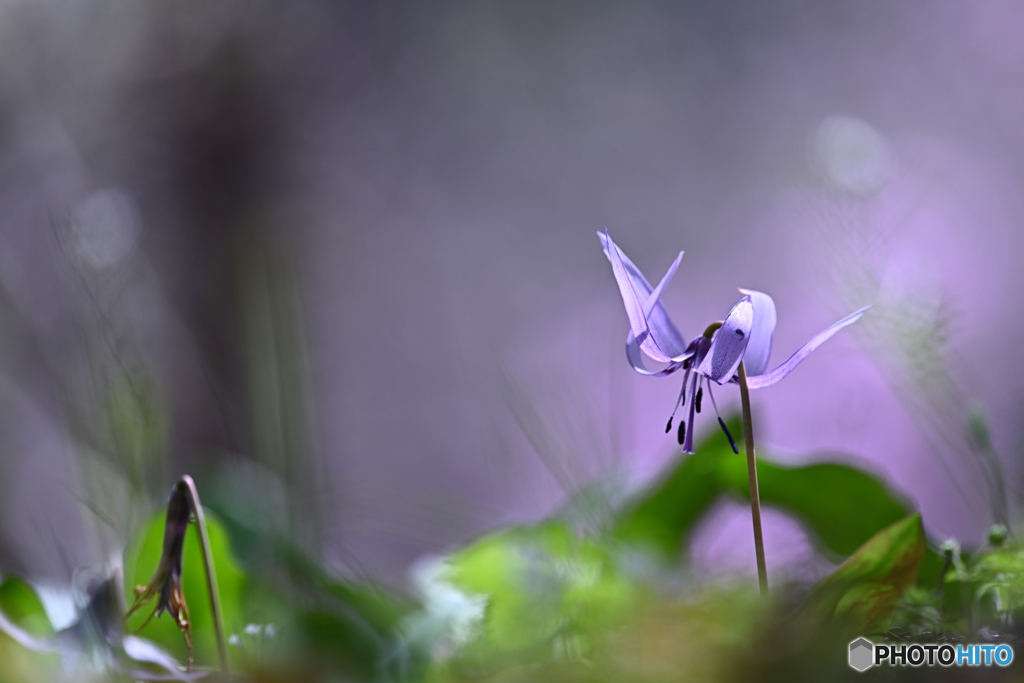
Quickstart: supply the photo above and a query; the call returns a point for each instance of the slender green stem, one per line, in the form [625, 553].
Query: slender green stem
[211, 576]
[755, 500]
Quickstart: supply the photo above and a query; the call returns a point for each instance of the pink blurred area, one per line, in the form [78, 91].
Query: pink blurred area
[433, 179]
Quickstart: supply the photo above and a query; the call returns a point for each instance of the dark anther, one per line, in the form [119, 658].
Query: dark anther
[739, 332]
[682, 432]
[668, 427]
[696, 401]
[729, 436]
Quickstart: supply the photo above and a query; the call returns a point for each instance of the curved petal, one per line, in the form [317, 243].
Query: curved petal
[759, 346]
[770, 378]
[636, 359]
[656, 334]
[729, 343]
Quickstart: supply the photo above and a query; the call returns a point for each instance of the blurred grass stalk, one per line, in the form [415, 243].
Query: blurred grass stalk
[278, 382]
[114, 404]
[907, 334]
[120, 417]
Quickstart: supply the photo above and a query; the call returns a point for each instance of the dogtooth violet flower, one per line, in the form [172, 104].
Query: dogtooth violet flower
[744, 336]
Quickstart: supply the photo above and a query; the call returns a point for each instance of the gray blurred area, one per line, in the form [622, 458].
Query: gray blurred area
[345, 252]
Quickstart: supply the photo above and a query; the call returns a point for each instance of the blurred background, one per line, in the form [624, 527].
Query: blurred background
[338, 260]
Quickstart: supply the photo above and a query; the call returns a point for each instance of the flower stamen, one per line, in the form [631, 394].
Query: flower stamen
[679, 401]
[721, 422]
[688, 441]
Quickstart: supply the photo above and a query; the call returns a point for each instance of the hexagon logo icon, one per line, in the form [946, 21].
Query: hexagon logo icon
[862, 654]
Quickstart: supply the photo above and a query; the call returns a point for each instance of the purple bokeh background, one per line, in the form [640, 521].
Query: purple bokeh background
[436, 175]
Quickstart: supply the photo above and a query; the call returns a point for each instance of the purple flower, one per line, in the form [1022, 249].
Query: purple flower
[744, 336]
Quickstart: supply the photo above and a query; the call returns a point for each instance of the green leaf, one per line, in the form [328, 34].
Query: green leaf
[513, 569]
[663, 518]
[542, 583]
[864, 593]
[342, 644]
[932, 565]
[23, 610]
[247, 499]
[840, 506]
[373, 604]
[142, 558]
[22, 606]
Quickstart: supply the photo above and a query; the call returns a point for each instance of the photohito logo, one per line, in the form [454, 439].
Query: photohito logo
[864, 654]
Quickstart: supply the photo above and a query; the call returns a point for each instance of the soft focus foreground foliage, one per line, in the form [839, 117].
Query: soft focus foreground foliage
[21, 605]
[231, 581]
[611, 600]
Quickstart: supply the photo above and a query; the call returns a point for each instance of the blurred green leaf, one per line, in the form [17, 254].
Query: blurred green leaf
[142, 558]
[1009, 560]
[515, 570]
[841, 506]
[545, 586]
[327, 622]
[341, 644]
[931, 568]
[866, 590]
[248, 499]
[996, 582]
[22, 606]
[664, 516]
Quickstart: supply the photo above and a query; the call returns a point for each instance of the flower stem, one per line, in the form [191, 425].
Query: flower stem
[211, 576]
[755, 500]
